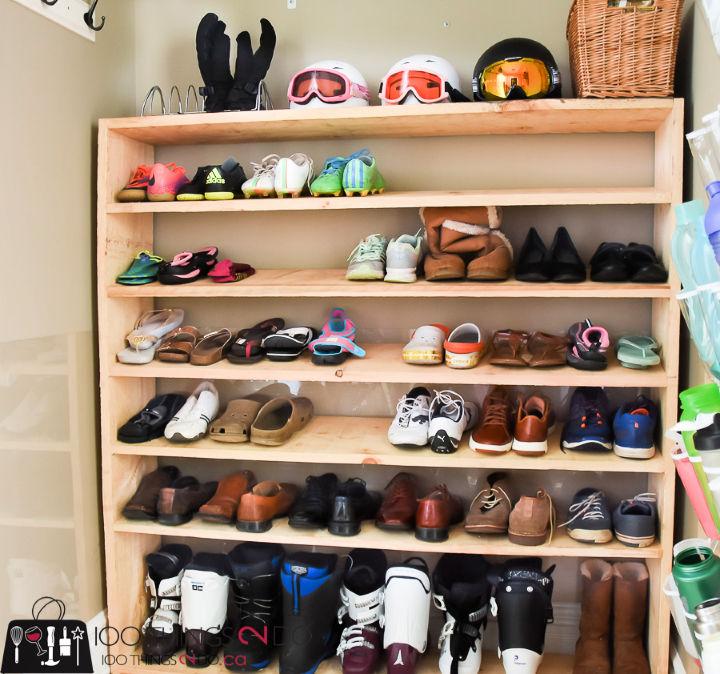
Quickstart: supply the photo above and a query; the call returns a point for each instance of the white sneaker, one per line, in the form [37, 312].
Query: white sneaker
[193, 418]
[262, 184]
[410, 425]
[293, 174]
[450, 417]
[403, 256]
[426, 345]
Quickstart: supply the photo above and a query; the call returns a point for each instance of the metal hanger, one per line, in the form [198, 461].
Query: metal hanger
[90, 19]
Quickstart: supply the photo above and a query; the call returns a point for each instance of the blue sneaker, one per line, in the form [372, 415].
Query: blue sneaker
[588, 426]
[634, 428]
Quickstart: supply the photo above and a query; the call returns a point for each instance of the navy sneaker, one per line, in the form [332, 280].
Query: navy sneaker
[634, 428]
[635, 521]
[588, 428]
[589, 519]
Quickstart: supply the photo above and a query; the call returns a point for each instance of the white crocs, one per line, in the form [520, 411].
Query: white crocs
[426, 345]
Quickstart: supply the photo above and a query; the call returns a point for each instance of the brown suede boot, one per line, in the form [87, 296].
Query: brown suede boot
[630, 611]
[592, 652]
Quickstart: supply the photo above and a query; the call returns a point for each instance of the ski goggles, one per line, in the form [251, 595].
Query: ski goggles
[427, 87]
[330, 86]
[515, 78]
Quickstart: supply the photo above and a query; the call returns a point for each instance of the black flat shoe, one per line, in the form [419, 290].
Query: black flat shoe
[644, 265]
[149, 423]
[608, 263]
[564, 263]
[532, 265]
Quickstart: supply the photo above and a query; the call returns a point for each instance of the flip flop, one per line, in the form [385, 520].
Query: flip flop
[143, 269]
[211, 348]
[227, 271]
[147, 334]
[187, 267]
[178, 345]
[288, 344]
[233, 425]
[247, 347]
[638, 352]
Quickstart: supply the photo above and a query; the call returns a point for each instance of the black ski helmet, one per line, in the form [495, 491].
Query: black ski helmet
[514, 49]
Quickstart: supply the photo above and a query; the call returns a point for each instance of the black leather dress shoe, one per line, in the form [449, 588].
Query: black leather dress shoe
[564, 263]
[312, 509]
[532, 264]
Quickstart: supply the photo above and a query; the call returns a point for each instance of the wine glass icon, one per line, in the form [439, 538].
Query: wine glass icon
[33, 636]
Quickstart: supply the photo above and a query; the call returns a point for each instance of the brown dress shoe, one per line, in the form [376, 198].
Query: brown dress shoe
[223, 505]
[490, 510]
[436, 513]
[544, 350]
[397, 512]
[143, 504]
[630, 580]
[534, 420]
[592, 652]
[266, 501]
[508, 347]
[177, 504]
[493, 435]
[531, 519]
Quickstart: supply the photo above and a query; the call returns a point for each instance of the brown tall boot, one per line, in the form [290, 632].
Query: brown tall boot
[630, 597]
[592, 652]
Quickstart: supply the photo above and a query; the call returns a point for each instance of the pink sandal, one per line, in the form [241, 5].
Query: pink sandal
[227, 271]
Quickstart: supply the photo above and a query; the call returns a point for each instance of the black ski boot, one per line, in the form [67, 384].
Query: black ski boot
[462, 592]
[353, 503]
[310, 589]
[523, 606]
[162, 632]
[254, 605]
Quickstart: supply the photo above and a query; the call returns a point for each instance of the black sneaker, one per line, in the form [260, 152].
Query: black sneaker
[635, 521]
[195, 189]
[532, 265]
[312, 509]
[224, 182]
[588, 427]
[353, 503]
[564, 263]
[589, 519]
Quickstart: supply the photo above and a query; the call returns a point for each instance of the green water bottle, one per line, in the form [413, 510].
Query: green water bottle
[696, 571]
[693, 401]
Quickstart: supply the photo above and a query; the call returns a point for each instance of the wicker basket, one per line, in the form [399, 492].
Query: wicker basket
[623, 48]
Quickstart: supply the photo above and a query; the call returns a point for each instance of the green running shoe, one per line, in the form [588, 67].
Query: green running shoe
[361, 176]
[367, 260]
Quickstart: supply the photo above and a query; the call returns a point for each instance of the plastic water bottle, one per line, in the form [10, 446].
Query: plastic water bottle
[712, 217]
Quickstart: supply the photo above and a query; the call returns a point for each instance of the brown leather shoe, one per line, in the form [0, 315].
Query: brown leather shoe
[533, 421]
[397, 512]
[592, 651]
[143, 504]
[544, 350]
[493, 435]
[223, 505]
[177, 504]
[490, 510]
[531, 519]
[508, 347]
[630, 580]
[266, 501]
[436, 513]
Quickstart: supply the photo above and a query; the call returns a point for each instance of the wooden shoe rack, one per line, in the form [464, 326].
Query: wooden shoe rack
[342, 442]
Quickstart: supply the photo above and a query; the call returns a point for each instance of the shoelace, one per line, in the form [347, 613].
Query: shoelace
[489, 498]
[592, 417]
[332, 165]
[371, 248]
[314, 496]
[645, 497]
[352, 637]
[405, 408]
[496, 413]
[266, 167]
[588, 509]
[452, 404]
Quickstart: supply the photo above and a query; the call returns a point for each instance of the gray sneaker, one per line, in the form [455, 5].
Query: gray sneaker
[367, 260]
[635, 521]
[404, 254]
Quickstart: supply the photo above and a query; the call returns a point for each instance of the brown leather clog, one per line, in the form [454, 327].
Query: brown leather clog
[278, 419]
[267, 500]
[223, 505]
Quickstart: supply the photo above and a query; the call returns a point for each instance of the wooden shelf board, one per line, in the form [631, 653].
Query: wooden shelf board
[383, 364]
[372, 537]
[363, 441]
[557, 116]
[569, 196]
[332, 283]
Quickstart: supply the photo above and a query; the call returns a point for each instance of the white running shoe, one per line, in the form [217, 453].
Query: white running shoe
[426, 345]
[193, 418]
[262, 184]
[293, 174]
[410, 425]
[450, 417]
[403, 256]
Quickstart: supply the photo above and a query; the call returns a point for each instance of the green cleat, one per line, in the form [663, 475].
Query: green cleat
[361, 176]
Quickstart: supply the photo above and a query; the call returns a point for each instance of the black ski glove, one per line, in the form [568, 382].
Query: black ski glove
[251, 68]
[213, 51]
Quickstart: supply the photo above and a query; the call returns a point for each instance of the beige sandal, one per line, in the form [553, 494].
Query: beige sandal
[178, 345]
[212, 347]
[279, 419]
[235, 422]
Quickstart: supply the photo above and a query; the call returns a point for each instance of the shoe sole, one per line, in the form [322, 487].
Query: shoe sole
[401, 276]
[173, 520]
[635, 541]
[181, 439]
[591, 536]
[490, 449]
[354, 192]
[588, 446]
[190, 197]
[528, 539]
[326, 194]
[253, 526]
[423, 357]
[165, 196]
[258, 195]
[634, 452]
[344, 528]
[219, 196]
[462, 361]
[393, 527]
[484, 529]
[432, 535]
[529, 448]
[292, 195]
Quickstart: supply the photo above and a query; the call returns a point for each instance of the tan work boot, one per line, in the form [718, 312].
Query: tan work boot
[592, 652]
[490, 510]
[532, 519]
[630, 581]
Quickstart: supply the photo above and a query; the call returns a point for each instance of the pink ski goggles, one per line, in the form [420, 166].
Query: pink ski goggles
[330, 86]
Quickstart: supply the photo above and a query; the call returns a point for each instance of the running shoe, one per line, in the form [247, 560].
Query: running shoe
[634, 428]
[588, 427]
[262, 184]
[450, 416]
[410, 425]
[404, 254]
[367, 260]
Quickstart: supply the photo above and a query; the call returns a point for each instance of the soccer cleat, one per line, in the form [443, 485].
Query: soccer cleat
[136, 188]
[330, 181]
[361, 177]
[366, 262]
[195, 189]
[409, 428]
[404, 254]
[224, 182]
[262, 183]
[293, 174]
[450, 417]
[165, 181]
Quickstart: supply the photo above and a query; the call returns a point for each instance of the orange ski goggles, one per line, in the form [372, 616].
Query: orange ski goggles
[428, 87]
[516, 78]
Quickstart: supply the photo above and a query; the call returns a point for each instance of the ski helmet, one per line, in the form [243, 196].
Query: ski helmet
[421, 78]
[326, 83]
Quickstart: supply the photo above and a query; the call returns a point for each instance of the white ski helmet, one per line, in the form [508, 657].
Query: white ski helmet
[407, 82]
[328, 83]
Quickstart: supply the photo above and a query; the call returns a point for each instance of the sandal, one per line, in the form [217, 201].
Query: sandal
[227, 271]
[187, 267]
[288, 344]
[638, 352]
[588, 345]
[211, 348]
[644, 265]
[147, 334]
[336, 341]
[178, 345]
[248, 342]
[235, 422]
[143, 269]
